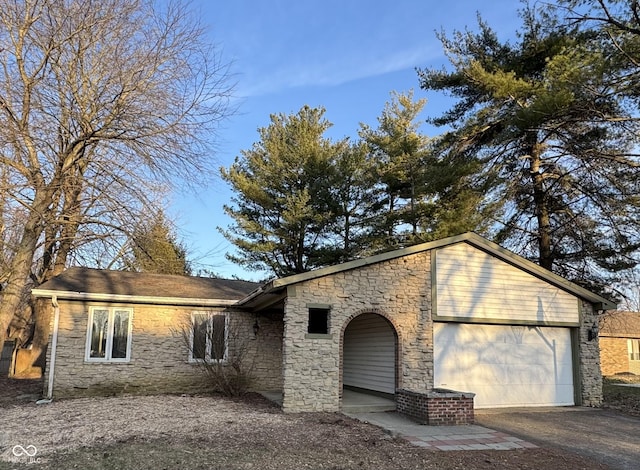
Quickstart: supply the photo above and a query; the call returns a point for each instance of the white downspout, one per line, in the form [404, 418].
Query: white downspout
[54, 346]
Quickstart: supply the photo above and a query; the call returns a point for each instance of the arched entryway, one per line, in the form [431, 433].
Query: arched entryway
[369, 355]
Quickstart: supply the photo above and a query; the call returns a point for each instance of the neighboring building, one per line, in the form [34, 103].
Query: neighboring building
[620, 343]
[459, 313]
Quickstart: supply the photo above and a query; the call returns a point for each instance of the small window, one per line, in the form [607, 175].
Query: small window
[633, 346]
[318, 321]
[208, 337]
[109, 335]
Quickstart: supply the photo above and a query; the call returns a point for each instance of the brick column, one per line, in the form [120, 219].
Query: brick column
[436, 407]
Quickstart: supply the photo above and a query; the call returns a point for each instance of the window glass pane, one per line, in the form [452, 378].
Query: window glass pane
[120, 334]
[634, 349]
[99, 333]
[218, 337]
[200, 327]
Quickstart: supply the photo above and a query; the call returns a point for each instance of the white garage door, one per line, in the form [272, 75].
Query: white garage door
[505, 365]
[369, 354]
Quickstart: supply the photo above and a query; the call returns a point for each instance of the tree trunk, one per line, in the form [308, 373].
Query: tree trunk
[390, 223]
[72, 213]
[18, 278]
[57, 263]
[346, 247]
[20, 269]
[414, 219]
[3, 333]
[300, 254]
[541, 206]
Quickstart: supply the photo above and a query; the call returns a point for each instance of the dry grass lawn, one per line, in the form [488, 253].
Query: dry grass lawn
[212, 432]
[624, 399]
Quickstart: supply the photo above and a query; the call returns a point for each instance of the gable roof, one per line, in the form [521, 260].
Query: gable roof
[620, 324]
[126, 286]
[471, 238]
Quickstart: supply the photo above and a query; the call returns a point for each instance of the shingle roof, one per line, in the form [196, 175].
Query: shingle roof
[99, 281]
[620, 324]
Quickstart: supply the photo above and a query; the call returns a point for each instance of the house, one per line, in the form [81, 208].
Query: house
[620, 343]
[115, 332]
[459, 314]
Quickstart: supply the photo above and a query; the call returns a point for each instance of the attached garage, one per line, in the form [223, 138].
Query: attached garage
[505, 365]
[369, 354]
[501, 332]
[460, 313]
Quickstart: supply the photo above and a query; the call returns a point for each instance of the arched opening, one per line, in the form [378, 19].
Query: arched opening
[369, 355]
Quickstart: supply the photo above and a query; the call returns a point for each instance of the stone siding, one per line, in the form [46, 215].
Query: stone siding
[159, 355]
[590, 384]
[398, 289]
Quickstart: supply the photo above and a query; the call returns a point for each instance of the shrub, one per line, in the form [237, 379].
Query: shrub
[220, 349]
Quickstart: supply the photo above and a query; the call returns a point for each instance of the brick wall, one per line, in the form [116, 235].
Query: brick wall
[436, 408]
[614, 355]
[159, 356]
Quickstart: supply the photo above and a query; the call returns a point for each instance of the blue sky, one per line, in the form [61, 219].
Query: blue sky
[346, 56]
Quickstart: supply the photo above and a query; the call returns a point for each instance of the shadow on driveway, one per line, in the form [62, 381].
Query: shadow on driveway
[607, 437]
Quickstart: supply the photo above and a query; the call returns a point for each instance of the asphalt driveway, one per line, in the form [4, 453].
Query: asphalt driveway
[605, 436]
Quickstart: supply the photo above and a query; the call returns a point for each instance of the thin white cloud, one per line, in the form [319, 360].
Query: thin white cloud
[285, 44]
[334, 72]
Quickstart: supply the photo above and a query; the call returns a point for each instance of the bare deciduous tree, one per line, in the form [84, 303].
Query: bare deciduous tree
[101, 104]
[222, 350]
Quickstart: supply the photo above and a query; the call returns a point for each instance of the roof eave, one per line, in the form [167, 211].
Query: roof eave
[598, 302]
[369, 260]
[138, 299]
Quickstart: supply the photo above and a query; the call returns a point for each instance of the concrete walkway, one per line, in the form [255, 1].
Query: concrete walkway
[381, 412]
[353, 402]
[470, 437]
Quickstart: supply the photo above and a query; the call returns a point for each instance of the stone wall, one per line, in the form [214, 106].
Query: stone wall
[589, 360]
[398, 289]
[159, 355]
[437, 407]
[614, 355]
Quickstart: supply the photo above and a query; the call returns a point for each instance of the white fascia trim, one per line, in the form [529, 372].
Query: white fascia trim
[139, 299]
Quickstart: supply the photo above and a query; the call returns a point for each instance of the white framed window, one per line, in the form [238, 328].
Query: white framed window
[109, 334]
[209, 337]
[633, 346]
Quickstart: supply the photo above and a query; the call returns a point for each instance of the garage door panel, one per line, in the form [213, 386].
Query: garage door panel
[509, 375]
[379, 377]
[505, 365]
[369, 354]
[525, 395]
